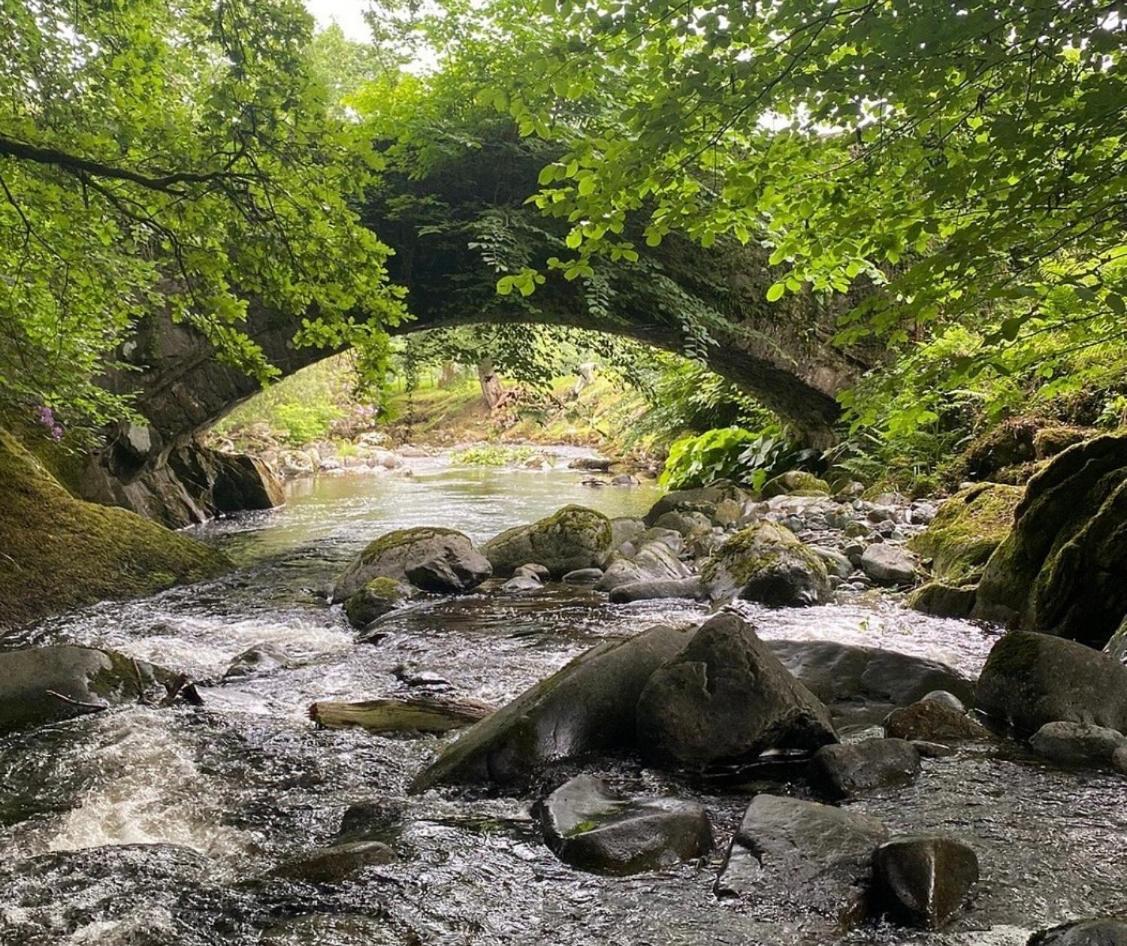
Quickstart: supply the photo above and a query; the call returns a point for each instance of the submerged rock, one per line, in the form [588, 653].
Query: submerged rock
[1102, 931]
[588, 706]
[1063, 568]
[50, 684]
[726, 698]
[431, 558]
[590, 827]
[572, 538]
[1031, 679]
[808, 855]
[378, 597]
[522, 583]
[921, 880]
[852, 768]
[583, 576]
[259, 659]
[331, 865]
[764, 562]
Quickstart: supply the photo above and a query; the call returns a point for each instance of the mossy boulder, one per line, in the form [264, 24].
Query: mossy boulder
[1031, 679]
[1049, 441]
[1010, 444]
[378, 597]
[49, 684]
[428, 557]
[60, 552]
[1063, 568]
[966, 530]
[795, 483]
[571, 538]
[942, 600]
[764, 562]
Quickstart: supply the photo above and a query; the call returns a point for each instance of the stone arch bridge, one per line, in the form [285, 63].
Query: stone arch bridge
[780, 352]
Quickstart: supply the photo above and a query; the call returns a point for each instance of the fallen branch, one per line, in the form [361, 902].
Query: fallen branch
[78, 704]
[415, 714]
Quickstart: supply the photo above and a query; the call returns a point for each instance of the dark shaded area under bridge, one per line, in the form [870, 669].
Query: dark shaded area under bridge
[780, 352]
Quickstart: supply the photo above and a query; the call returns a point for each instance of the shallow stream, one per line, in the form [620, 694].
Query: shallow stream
[147, 826]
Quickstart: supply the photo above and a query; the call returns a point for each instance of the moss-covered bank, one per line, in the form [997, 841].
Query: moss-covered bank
[58, 552]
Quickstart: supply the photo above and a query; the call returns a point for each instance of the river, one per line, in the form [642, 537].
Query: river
[148, 826]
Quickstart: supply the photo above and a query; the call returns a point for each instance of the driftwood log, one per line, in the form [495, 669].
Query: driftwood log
[414, 714]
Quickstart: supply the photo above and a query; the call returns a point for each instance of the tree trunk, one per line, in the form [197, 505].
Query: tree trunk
[491, 389]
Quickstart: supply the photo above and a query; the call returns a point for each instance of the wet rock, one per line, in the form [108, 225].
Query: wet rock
[804, 854]
[725, 698]
[728, 513]
[846, 675]
[947, 698]
[1031, 679]
[889, 564]
[331, 865]
[943, 601]
[586, 707]
[966, 530]
[624, 479]
[257, 660]
[588, 826]
[1119, 760]
[933, 721]
[1116, 647]
[378, 597]
[795, 482]
[766, 563]
[415, 714]
[650, 589]
[1103, 931]
[573, 537]
[583, 576]
[535, 570]
[849, 769]
[624, 529]
[51, 684]
[331, 929]
[442, 559]
[522, 583]
[921, 880]
[1063, 568]
[653, 561]
[376, 820]
[1077, 743]
[703, 500]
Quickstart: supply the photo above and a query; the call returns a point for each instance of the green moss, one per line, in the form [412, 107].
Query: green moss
[755, 550]
[966, 531]
[795, 483]
[394, 539]
[58, 552]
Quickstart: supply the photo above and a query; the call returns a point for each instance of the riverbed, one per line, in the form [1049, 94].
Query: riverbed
[148, 826]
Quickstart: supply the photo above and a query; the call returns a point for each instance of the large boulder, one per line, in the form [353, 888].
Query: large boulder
[764, 562]
[428, 557]
[1063, 568]
[808, 856]
[888, 564]
[1077, 743]
[966, 530]
[933, 720]
[704, 500]
[240, 481]
[50, 684]
[1031, 679]
[574, 537]
[586, 707]
[726, 698]
[921, 880]
[590, 827]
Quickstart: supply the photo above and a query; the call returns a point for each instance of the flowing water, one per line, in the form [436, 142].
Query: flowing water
[147, 826]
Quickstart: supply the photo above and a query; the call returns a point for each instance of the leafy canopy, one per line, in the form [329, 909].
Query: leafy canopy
[172, 156]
